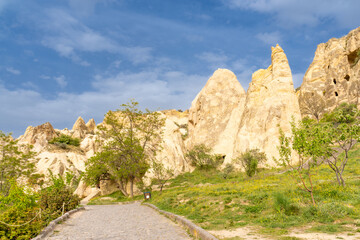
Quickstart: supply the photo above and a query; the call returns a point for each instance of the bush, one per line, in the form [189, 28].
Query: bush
[65, 139]
[56, 196]
[283, 204]
[200, 156]
[229, 168]
[18, 208]
[250, 160]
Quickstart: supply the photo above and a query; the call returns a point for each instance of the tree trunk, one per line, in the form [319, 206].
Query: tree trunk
[132, 188]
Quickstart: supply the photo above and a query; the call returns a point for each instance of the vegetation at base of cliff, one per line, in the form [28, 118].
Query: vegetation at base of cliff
[24, 213]
[63, 140]
[271, 200]
[14, 162]
[132, 141]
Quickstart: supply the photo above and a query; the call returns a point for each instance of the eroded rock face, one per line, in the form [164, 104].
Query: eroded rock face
[270, 102]
[334, 75]
[79, 129]
[91, 125]
[212, 119]
[38, 136]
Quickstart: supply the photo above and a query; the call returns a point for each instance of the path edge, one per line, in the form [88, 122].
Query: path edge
[196, 231]
[50, 227]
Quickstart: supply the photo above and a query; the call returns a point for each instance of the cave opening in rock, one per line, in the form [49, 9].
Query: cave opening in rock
[334, 81]
[347, 77]
[354, 57]
[336, 94]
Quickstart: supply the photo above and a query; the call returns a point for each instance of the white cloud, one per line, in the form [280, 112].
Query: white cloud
[155, 89]
[69, 37]
[291, 13]
[215, 60]
[13, 71]
[61, 81]
[45, 77]
[270, 38]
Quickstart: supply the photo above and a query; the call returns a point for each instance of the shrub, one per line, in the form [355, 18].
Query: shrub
[65, 139]
[57, 197]
[283, 204]
[18, 208]
[229, 168]
[250, 160]
[200, 156]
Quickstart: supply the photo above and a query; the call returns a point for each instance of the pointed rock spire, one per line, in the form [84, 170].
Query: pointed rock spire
[211, 112]
[270, 102]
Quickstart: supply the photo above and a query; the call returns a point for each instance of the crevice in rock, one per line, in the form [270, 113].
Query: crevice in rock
[334, 81]
[336, 94]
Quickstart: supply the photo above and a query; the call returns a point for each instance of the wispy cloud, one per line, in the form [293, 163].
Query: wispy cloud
[13, 71]
[291, 13]
[60, 80]
[270, 38]
[215, 60]
[156, 89]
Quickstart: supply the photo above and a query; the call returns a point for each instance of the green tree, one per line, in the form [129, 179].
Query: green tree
[342, 130]
[131, 138]
[200, 156]
[14, 162]
[303, 150]
[250, 160]
[162, 174]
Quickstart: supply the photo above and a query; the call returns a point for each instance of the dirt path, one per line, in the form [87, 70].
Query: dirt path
[127, 221]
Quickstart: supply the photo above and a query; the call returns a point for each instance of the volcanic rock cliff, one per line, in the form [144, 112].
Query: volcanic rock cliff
[333, 77]
[270, 103]
[215, 113]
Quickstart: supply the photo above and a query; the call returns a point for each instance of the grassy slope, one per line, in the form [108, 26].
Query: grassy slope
[270, 200]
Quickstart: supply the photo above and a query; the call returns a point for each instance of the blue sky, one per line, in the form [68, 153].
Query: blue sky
[64, 59]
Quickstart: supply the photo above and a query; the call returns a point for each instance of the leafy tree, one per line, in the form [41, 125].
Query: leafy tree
[342, 130]
[131, 139]
[161, 173]
[200, 156]
[306, 145]
[250, 160]
[14, 162]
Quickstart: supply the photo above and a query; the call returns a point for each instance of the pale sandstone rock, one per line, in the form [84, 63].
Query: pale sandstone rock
[212, 119]
[91, 125]
[270, 102]
[60, 162]
[79, 129]
[38, 136]
[334, 74]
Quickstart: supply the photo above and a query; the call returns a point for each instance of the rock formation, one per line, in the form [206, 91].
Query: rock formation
[91, 125]
[270, 102]
[38, 136]
[212, 119]
[79, 129]
[333, 77]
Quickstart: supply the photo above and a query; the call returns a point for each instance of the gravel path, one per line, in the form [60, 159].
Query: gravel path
[128, 221]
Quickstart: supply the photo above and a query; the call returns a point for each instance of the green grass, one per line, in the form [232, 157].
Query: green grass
[269, 200]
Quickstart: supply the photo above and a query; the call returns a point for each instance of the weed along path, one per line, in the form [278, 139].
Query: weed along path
[127, 221]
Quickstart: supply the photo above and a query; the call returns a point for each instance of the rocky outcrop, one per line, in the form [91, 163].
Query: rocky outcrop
[173, 148]
[212, 119]
[270, 102]
[91, 125]
[79, 129]
[38, 136]
[333, 77]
